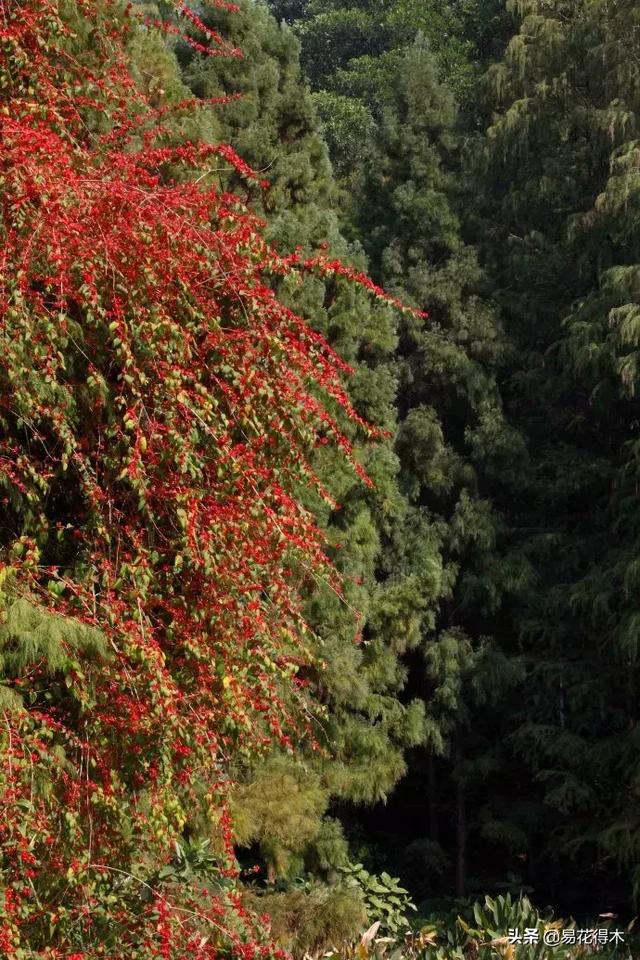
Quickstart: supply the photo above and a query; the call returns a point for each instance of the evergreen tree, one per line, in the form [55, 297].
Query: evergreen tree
[560, 239]
[367, 725]
[453, 443]
[353, 49]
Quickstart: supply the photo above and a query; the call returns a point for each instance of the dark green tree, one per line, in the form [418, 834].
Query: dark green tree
[353, 50]
[368, 725]
[453, 442]
[393, 127]
[559, 235]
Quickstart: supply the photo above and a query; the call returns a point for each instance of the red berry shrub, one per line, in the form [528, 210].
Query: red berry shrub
[158, 408]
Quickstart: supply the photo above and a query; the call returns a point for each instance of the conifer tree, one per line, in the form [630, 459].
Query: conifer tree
[367, 726]
[353, 49]
[453, 443]
[560, 239]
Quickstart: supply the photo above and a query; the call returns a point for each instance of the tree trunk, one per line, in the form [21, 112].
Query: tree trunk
[434, 826]
[461, 825]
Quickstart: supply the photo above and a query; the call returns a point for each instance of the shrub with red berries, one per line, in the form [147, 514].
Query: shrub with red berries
[158, 411]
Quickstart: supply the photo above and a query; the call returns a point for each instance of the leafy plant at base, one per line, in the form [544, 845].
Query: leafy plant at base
[311, 918]
[481, 931]
[383, 897]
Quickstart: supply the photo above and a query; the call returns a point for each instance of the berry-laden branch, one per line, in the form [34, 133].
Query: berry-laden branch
[158, 411]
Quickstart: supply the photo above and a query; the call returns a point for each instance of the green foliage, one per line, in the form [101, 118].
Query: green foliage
[339, 38]
[311, 920]
[32, 636]
[367, 726]
[194, 861]
[453, 440]
[481, 931]
[385, 900]
[558, 190]
[353, 49]
[29, 634]
[392, 125]
[493, 919]
[281, 808]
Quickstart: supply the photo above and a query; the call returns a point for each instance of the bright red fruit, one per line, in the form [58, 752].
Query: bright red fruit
[158, 408]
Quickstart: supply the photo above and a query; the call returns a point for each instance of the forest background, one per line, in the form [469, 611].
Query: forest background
[484, 159]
